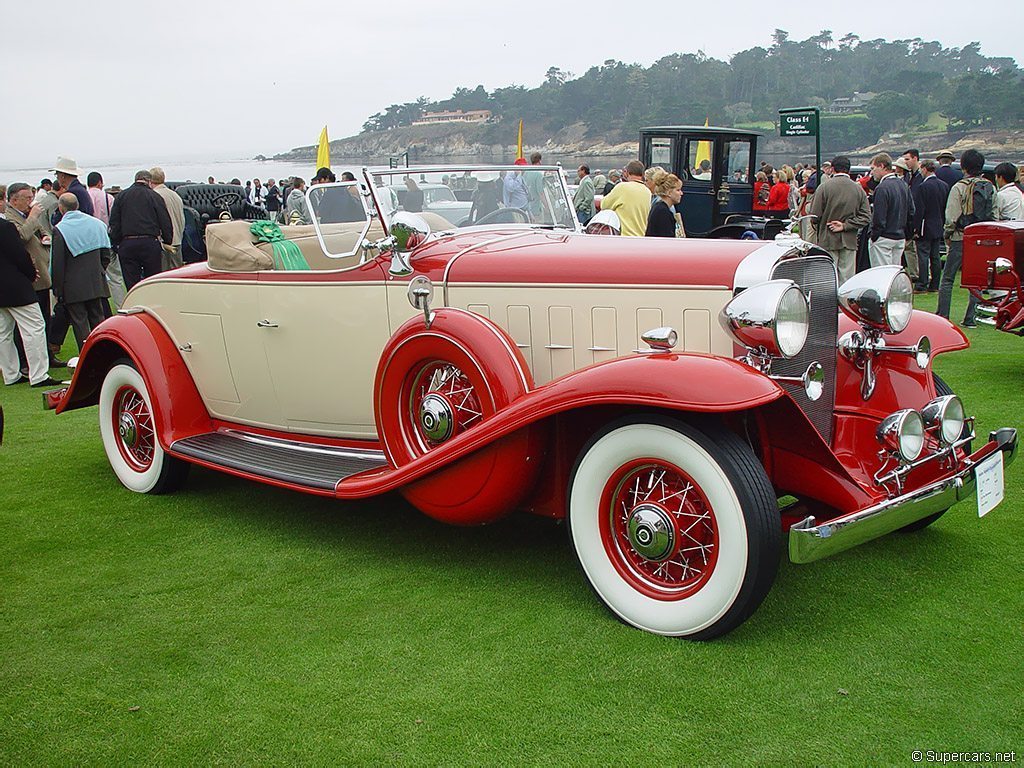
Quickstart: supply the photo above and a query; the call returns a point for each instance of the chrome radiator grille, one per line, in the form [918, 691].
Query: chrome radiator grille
[816, 276]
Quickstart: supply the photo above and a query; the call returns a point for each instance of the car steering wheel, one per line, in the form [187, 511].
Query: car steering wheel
[224, 199]
[505, 216]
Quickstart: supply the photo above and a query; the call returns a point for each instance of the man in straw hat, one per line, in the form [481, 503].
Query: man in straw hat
[67, 179]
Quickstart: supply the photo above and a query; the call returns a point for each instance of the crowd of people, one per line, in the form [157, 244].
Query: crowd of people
[85, 248]
[906, 211]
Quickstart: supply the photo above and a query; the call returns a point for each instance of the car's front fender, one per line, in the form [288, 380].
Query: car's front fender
[680, 382]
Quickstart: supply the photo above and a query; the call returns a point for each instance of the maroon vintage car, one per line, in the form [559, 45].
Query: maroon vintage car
[992, 268]
[659, 395]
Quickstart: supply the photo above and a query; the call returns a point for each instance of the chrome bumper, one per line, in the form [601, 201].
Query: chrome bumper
[809, 542]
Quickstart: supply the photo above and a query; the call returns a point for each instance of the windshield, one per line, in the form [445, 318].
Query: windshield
[338, 216]
[463, 196]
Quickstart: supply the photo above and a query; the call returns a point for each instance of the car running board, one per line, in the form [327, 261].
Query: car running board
[300, 464]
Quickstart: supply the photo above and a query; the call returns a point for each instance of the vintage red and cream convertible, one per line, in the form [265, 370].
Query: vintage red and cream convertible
[661, 396]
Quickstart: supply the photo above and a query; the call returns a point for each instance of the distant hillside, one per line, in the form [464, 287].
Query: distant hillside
[917, 85]
[496, 143]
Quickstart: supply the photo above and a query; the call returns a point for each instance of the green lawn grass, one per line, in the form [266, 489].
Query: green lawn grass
[233, 623]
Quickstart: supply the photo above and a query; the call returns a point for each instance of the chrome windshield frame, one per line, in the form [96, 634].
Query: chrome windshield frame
[371, 174]
[367, 217]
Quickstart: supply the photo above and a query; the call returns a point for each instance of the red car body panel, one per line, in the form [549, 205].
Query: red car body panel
[177, 407]
[983, 244]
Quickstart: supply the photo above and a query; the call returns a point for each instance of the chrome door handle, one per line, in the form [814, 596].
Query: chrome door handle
[186, 347]
[267, 324]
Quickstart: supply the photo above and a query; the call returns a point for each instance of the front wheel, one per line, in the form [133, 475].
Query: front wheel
[129, 434]
[675, 527]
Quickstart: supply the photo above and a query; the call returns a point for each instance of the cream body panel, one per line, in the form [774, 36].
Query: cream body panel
[215, 321]
[324, 351]
[560, 328]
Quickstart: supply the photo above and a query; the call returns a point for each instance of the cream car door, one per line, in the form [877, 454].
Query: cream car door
[323, 325]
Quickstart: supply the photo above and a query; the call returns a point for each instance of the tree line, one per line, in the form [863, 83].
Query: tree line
[911, 79]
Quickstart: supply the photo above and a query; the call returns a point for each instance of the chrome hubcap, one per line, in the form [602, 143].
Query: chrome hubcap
[128, 429]
[651, 532]
[436, 418]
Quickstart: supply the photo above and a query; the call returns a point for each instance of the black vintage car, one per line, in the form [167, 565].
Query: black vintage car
[216, 202]
[717, 166]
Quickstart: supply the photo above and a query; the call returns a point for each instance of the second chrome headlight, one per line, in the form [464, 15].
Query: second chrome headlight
[881, 297]
[770, 318]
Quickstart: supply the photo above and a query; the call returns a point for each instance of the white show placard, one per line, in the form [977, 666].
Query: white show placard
[989, 475]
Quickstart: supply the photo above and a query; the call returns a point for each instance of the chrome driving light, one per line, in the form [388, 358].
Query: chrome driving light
[660, 339]
[902, 433]
[946, 415]
[771, 318]
[881, 297]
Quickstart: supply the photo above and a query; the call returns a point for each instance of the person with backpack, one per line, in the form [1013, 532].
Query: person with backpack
[970, 200]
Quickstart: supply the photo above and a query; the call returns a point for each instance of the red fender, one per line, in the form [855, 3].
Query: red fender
[486, 485]
[178, 410]
[682, 382]
[901, 384]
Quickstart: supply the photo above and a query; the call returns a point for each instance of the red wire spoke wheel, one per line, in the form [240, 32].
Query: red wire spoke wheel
[133, 424]
[129, 432]
[659, 530]
[442, 403]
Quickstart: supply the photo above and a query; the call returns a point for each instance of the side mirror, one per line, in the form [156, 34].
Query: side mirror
[408, 232]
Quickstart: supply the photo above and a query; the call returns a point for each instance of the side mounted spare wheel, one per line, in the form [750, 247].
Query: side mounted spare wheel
[675, 527]
[130, 436]
[435, 384]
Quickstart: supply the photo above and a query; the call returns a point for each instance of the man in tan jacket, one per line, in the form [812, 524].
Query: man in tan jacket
[30, 219]
[842, 210]
[171, 258]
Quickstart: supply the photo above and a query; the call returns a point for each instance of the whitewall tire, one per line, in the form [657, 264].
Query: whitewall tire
[675, 527]
[129, 434]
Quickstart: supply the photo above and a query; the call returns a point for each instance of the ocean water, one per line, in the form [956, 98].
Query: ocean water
[122, 174]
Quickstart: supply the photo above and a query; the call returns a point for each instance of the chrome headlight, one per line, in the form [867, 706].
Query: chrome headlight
[946, 414]
[882, 297]
[902, 433]
[772, 316]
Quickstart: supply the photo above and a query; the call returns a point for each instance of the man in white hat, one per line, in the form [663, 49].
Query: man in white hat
[67, 179]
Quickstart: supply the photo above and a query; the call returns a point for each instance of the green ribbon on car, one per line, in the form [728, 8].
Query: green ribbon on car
[286, 254]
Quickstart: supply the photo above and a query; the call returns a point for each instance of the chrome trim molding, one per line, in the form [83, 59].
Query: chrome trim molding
[809, 542]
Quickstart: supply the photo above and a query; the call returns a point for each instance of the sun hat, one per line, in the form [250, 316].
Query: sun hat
[945, 153]
[900, 163]
[66, 165]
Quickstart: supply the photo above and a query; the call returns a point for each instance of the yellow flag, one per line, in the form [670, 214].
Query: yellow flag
[519, 143]
[703, 151]
[323, 151]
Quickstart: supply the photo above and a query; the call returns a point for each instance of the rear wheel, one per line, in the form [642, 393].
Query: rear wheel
[941, 389]
[675, 527]
[129, 434]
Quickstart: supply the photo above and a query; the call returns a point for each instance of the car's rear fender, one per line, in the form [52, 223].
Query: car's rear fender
[177, 407]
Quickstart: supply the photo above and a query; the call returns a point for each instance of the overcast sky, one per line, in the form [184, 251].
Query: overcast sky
[134, 80]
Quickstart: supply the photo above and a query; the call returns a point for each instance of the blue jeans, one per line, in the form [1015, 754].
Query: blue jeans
[953, 261]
